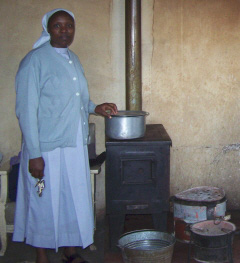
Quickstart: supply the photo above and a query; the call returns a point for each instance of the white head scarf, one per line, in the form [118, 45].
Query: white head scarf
[45, 35]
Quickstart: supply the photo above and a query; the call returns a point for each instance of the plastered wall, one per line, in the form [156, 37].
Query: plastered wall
[191, 77]
[195, 93]
[91, 44]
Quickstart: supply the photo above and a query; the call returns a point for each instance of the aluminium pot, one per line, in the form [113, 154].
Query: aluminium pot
[126, 125]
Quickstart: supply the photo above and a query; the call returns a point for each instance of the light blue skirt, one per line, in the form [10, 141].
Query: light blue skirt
[63, 215]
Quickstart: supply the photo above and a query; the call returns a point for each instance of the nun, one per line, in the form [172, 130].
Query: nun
[54, 205]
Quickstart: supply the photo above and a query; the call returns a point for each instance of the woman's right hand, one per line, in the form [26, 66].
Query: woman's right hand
[36, 167]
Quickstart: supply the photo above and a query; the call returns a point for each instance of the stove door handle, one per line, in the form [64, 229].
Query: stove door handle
[137, 207]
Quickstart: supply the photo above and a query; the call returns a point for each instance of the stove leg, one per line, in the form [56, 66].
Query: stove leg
[116, 226]
[160, 221]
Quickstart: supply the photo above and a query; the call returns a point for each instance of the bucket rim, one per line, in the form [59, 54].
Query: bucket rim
[144, 230]
[182, 199]
[176, 200]
[172, 242]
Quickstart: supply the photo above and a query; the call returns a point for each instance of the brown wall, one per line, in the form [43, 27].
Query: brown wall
[195, 90]
[191, 63]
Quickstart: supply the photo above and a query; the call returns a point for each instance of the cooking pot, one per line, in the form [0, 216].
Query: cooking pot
[213, 240]
[126, 125]
[195, 205]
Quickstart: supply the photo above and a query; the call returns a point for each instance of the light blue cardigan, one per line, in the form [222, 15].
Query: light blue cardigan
[51, 95]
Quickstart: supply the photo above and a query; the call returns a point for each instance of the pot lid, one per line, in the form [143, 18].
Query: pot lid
[202, 194]
[213, 228]
[128, 113]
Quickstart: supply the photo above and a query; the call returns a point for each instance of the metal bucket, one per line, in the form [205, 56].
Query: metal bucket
[126, 125]
[196, 205]
[212, 240]
[147, 246]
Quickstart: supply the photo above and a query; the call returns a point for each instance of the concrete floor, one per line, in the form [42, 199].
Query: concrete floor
[181, 250]
[22, 253]
[100, 253]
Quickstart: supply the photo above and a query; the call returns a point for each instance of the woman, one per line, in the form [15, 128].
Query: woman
[52, 106]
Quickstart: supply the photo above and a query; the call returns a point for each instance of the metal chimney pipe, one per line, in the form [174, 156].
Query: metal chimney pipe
[133, 55]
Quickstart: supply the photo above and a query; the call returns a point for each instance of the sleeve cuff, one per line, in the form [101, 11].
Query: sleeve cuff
[91, 107]
[34, 153]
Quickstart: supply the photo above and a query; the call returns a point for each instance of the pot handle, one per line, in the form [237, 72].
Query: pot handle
[218, 220]
[147, 113]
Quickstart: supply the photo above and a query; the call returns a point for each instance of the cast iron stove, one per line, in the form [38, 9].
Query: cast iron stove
[137, 179]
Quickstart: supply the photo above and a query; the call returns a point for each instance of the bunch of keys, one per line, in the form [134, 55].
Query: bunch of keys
[41, 185]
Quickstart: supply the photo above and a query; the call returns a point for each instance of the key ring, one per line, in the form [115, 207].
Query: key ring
[41, 185]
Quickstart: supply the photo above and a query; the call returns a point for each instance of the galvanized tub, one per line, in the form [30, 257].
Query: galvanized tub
[147, 246]
[126, 125]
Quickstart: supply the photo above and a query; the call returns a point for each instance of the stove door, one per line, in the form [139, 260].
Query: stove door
[136, 179]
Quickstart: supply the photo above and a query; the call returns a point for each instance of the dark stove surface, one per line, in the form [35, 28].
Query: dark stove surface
[137, 179]
[154, 133]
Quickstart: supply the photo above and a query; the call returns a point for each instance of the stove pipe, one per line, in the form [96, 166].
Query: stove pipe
[133, 55]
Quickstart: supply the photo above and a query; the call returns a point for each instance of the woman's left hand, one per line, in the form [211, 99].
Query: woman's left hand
[106, 109]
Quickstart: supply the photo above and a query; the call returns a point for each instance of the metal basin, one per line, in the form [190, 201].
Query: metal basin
[126, 125]
[150, 246]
